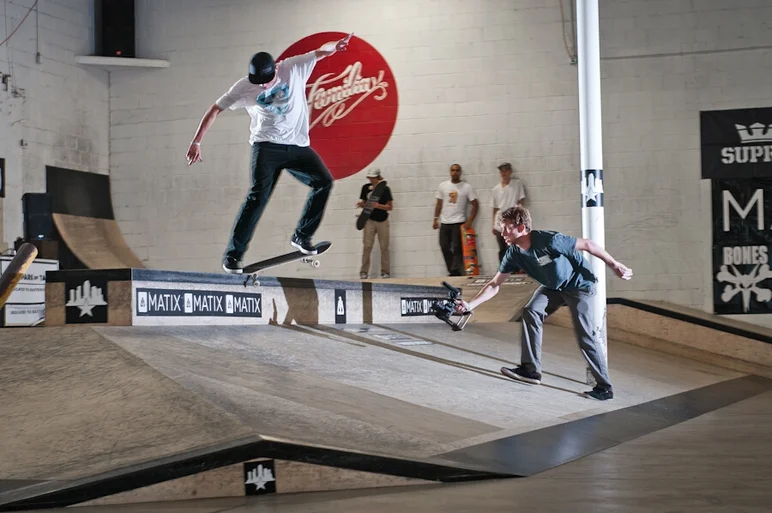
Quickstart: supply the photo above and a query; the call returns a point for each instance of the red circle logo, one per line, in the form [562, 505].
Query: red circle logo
[352, 103]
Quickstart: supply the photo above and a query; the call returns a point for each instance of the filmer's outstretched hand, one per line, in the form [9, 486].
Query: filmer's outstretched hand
[461, 306]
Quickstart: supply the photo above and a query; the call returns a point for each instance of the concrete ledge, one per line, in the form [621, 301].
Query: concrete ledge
[145, 297]
[153, 275]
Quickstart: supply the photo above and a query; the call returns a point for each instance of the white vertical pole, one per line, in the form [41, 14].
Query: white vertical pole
[591, 152]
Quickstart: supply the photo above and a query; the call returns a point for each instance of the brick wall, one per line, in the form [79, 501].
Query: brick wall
[58, 108]
[664, 62]
[471, 91]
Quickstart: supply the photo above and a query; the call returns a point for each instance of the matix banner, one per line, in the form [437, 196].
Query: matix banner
[415, 306]
[742, 218]
[736, 143]
[197, 303]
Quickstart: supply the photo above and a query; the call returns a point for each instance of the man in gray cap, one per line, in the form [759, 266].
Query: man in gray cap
[378, 223]
[274, 96]
[506, 194]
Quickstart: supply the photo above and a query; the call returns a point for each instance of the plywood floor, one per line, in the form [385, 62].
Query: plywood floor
[409, 390]
[74, 404]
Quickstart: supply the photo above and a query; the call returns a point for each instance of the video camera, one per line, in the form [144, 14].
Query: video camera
[444, 309]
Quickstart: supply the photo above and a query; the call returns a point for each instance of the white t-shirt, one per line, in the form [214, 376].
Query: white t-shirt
[506, 197]
[455, 197]
[279, 114]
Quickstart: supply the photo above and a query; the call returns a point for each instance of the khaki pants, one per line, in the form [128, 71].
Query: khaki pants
[382, 229]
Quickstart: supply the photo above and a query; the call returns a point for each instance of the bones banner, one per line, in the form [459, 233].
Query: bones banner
[736, 143]
[742, 237]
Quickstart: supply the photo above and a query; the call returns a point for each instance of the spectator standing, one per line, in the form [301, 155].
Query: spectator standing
[453, 198]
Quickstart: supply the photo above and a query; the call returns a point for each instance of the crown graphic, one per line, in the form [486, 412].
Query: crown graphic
[757, 132]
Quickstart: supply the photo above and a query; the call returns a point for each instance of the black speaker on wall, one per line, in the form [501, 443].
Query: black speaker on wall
[38, 219]
[114, 28]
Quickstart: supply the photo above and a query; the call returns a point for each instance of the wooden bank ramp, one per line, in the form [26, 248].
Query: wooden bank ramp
[128, 414]
[85, 222]
[140, 414]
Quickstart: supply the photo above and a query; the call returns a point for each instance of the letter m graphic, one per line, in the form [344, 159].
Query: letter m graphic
[758, 199]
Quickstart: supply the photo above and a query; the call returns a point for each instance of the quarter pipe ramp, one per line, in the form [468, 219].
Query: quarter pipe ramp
[85, 225]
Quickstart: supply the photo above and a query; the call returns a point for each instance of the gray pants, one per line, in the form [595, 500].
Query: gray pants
[543, 303]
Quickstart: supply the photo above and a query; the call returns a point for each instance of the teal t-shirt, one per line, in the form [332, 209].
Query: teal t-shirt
[552, 260]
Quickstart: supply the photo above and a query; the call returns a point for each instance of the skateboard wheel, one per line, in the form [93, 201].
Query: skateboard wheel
[252, 279]
[316, 263]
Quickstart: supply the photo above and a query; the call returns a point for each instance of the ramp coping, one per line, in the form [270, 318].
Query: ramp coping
[692, 319]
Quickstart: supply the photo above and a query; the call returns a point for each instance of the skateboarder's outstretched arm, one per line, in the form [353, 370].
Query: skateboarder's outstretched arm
[233, 99]
[332, 47]
[194, 150]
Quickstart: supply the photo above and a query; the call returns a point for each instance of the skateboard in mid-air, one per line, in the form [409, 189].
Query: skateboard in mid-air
[374, 197]
[251, 271]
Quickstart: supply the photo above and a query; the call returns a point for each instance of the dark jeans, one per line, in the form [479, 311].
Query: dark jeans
[268, 161]
[450, 243]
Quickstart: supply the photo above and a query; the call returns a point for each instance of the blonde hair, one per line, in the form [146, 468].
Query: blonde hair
[517, 215]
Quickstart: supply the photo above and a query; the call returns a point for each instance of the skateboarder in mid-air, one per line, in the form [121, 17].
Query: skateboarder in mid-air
[274, 96]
